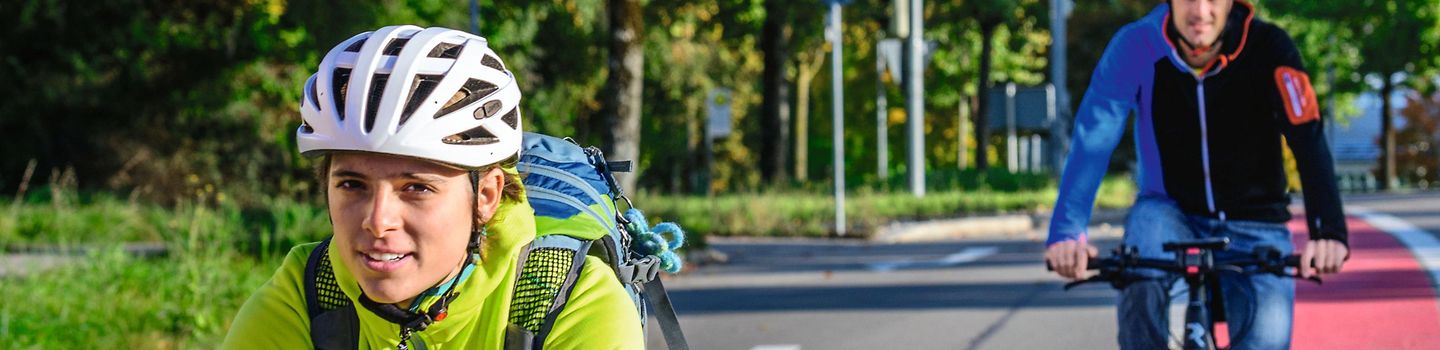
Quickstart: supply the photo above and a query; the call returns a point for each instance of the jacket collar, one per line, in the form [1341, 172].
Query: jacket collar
[1235, 36]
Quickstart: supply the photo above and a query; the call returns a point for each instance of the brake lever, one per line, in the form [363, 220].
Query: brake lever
[1099, 277]
[1074, 284]
[1230, 268]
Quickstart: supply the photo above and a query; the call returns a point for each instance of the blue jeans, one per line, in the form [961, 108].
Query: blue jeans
[1258, 307]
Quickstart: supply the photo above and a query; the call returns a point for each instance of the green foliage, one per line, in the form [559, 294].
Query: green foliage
[812, 213]
[52, 218]
[170, 98]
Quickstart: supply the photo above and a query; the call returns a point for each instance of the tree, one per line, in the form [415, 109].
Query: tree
[775, 108]
[990, 16]
[1390, 33]
[626, 67]
[1418, 151]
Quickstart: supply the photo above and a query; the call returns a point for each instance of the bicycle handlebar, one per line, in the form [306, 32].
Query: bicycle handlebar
[1194, 261]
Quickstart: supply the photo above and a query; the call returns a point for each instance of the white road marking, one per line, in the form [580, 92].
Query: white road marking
[777, 347]
[964, 256]
[1421, 243]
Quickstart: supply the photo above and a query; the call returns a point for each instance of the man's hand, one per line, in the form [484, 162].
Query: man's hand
[1323, 256]
[1068, 258]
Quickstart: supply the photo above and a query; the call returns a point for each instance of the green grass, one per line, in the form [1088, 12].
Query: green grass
[107, 299]
[813, 214]
[102, 297]
[270, 226]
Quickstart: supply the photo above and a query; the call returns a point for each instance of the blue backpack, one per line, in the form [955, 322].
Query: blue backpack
[576, 200]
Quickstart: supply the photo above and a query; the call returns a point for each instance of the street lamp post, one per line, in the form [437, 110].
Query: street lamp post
[837, 91]
[915, 98]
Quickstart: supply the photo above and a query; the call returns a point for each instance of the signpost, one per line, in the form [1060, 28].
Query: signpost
[717, 125]
[1032, 110]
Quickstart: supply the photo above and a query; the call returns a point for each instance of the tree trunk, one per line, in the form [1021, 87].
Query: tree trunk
[981, 120]
[626, 64]
[803, 80]
[775, 121]
[1387, 135]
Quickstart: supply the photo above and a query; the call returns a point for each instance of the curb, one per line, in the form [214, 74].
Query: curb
[1030, 226]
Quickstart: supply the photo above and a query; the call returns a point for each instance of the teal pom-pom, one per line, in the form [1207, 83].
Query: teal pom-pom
[677, 236]
[670, 262]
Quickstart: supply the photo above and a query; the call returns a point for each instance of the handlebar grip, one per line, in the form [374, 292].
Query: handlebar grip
[1292, 261]
[1091, 263]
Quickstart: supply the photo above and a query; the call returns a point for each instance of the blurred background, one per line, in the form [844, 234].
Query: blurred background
[150, 179]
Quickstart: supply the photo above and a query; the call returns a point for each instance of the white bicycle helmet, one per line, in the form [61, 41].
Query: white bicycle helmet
[430, 93]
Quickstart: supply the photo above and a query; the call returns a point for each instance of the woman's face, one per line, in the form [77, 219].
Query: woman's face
[402, 224]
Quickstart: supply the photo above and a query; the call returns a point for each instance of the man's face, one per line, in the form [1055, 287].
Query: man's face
[1200, 21]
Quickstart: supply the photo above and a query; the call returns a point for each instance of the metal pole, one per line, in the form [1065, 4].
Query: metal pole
[961, 117]
[709, 162]
[1059, 130]
[915, 99]
[1036, 153]
[1011, 150]
[882, 124]
[1052, 115]
[837, 92]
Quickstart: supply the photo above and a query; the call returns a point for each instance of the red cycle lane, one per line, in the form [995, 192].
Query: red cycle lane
[1383, 299]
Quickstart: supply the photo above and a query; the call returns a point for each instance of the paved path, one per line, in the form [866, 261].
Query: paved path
[993, 294]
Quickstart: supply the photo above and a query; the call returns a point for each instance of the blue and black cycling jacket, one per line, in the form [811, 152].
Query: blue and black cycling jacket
[1211, 140]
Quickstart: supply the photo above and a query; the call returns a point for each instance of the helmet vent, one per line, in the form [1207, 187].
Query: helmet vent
[394, 47]
[420, 90]
[512, 118]
[445, 50]
[372, 102]
[474, 90]
[341, 86]
[314, 96]
[305, 128]
[356, 46]
[492, 62]
[476, 136]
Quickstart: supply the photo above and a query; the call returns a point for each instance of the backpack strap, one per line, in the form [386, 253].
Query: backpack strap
[547, 273]
[333, 321]
[665, 315]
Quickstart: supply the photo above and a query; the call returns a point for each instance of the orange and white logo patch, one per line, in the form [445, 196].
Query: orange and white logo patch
[1296, 95]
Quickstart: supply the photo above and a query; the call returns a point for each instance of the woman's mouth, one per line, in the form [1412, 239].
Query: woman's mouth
[385, 262]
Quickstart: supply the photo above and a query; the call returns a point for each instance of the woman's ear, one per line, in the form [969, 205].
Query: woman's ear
[489, 195]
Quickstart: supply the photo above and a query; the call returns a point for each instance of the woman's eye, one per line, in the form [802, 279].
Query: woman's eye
[418, 188]
[349, 185]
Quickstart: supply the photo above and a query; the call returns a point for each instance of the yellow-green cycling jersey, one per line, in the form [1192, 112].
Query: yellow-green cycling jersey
[598, 314]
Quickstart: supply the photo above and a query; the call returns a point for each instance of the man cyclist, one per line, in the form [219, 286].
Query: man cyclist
[1216, 90]
[417, 133]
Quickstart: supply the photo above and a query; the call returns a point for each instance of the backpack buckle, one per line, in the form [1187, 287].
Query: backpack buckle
[640, 270]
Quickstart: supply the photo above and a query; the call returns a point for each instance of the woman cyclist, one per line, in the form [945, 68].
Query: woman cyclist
[416, 132]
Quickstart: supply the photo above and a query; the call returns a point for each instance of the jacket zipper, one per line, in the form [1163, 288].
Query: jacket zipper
[1205, 149]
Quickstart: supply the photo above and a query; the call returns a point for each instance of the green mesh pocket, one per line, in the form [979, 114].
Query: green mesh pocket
[540, 282]
[327, 291]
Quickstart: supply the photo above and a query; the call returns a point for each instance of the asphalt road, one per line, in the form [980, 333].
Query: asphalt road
[971, 294]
